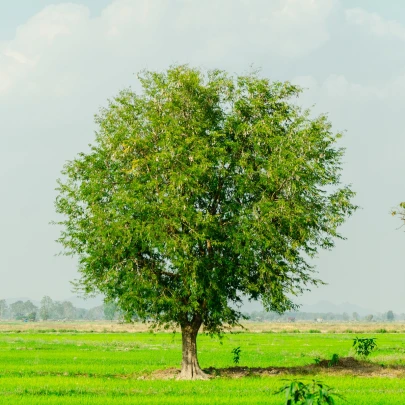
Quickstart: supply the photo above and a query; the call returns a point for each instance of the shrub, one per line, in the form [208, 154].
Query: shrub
[334, 360]
[315, 393]
[236, 354]
[364, 346]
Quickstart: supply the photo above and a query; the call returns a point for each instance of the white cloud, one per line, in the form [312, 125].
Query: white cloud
[36, 39]
[142, 33]
[375, 24]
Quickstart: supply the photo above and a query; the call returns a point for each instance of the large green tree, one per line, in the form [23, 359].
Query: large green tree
[199, 190]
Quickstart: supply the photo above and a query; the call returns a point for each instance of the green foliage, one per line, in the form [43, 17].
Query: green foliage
[32, 316]
[236, 354]
[400, 211]
[317, 360]
[390, 316]
[21, 310]
[334, 360]
[314, 393]
[199, 190]
[364, 346]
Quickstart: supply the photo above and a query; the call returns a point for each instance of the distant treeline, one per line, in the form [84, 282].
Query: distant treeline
[55, 310]
[322, 316]
[65, 310]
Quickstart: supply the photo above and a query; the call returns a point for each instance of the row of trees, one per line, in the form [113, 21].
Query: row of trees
[55, 310]
[325, 316]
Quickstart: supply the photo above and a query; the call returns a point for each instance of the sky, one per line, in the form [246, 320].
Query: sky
[61, 61]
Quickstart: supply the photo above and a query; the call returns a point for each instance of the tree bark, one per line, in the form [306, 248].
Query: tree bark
[190, 369]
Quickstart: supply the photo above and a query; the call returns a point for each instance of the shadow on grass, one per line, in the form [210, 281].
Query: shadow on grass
[345, 366]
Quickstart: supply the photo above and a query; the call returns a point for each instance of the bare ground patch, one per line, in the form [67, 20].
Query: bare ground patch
[345, 366]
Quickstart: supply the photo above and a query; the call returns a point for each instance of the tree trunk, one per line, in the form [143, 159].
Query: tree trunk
[190, 369]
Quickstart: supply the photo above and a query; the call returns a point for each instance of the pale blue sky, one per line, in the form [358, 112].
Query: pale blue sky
[65, 61]
[17, 12]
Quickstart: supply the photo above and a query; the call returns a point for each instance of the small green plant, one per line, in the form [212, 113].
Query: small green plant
[334, 360]
[314, 331]
[317, 360]
[364, 346]
[313, 393]
[236, 355]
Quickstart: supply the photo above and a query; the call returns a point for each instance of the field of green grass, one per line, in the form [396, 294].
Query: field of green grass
[140, 368]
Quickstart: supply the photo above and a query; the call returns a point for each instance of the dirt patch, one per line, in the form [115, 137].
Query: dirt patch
[166, 374]
[344, 362]
[344, 366]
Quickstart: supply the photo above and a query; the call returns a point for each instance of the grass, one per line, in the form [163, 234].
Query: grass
[73, 367]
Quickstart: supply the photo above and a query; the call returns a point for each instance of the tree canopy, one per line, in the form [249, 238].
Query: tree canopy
[200, 190]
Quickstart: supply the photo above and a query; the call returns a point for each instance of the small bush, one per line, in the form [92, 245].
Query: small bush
[316, 393]
[364, 346]
[334, 360]
[314, 331]
[236, 355]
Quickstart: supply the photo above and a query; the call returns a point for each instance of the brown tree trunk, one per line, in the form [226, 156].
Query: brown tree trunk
[190, 369]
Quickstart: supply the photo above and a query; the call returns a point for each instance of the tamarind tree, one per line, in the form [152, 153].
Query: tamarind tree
[199, 190]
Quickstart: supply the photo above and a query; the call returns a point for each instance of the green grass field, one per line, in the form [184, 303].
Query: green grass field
[131, 368]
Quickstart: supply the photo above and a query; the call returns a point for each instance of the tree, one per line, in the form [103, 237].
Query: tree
[369, 318]
[3, 309]
[46, 308]
[200, 190]
[390, 316]
[17, 309]
[32, 316]
[29, 308]
[110, 308]
[95, 313]
[69, 311]
[58, 311]
[356, 316]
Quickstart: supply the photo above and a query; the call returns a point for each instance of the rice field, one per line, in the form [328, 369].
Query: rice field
[66, 365]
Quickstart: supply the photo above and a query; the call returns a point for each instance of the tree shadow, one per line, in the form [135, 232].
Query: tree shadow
[344, 366]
